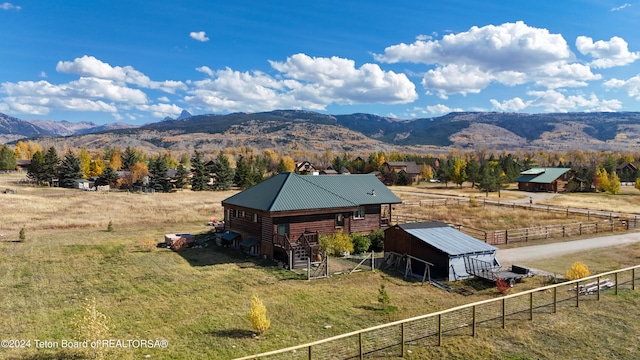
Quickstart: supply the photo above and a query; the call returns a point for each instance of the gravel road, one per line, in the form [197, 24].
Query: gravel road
[537, 252]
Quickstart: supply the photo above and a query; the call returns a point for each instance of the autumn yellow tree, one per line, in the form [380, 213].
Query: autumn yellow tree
[85, 162]
[601, 179]
[96, 167]
[614, 184]
[458, 173]
[115, 161]
[258, 315]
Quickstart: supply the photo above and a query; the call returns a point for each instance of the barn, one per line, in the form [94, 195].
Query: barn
[439, 244]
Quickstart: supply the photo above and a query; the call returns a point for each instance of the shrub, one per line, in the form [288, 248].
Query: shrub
[473, 202]
[361, 243]
[383, 297]
[148, 245]
[577, 271]
[503, 286]
[110, 226]
[377, 240]
[258, 315]
[23, 235]
[336, 244]
[92, 325]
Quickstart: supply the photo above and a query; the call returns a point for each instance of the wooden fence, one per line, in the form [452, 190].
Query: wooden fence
[606, 223]
[395, 339]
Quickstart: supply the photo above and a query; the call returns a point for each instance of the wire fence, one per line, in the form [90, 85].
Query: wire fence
[395, 338]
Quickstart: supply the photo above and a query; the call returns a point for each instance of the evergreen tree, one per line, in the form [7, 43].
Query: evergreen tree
[70, 170]
[402, 178]
[473, 172]
[35, 170]
[181, 176]
[224, 173]
[7, 159]
[108, 177]
[200, 178]
[159, 180]
[492, 177]
[50, 165]
[129, 158]
[242, 176]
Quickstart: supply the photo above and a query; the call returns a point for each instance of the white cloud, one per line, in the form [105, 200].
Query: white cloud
[623, 6]
[631, 86]
[205, 69]
[606, 54]
[555, 101]
[43, 74]
[199, 35]
[512, 105]
[92, 67]
[303, 82]
[161, 110]
[339, 79]
[9, 6]
[441, 109]
[510, 54]
[164, 99]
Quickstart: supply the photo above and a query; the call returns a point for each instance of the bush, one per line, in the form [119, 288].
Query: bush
[361, 243]
[473, 202]
[148, 245]
[110, 226]
[577, 271]
[23, 235]
[92, 326]
[376, 238]
[383, 297]
[336, 244]
[258, 315]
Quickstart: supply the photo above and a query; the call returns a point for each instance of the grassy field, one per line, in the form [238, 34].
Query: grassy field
[198, 299]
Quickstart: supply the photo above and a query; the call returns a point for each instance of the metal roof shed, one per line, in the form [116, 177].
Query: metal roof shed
[439, 244]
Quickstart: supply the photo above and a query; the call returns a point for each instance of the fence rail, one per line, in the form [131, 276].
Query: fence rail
[393, 339]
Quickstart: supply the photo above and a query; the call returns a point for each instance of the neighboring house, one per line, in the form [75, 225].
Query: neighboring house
[628, 171]
[22, 165]
[412, 169]
[439, 244]
[82, 184]
[545, 179]
[287, 213]
[304, 167]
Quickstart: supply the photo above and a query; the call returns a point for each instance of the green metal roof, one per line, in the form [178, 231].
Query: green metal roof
[290, 191]
[542, 175]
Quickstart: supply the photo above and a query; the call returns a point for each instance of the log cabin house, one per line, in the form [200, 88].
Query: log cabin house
[545, 179]
[413, 170]
[288, 212]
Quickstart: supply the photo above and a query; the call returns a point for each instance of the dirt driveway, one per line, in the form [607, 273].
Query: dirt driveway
[536, 252]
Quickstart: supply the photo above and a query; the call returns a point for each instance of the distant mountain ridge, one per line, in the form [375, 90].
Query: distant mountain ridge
[299, 129]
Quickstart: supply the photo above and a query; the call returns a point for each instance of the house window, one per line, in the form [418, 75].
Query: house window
[255, 218]
[240, 213]
[232, 213]
[283, 229]
[339, 219]
[359, 214]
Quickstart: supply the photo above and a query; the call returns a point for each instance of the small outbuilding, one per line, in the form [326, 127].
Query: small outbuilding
[439, 244]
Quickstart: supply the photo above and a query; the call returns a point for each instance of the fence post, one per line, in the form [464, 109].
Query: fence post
[580, 228]
[439, 329]
[504, 313]
[633, 279]
[578, 294]
[473, 321]
[309, 352]
[616, 283]
[309, 267]
[531, 306]
[526, 235]
[598, 296]
[563, 232]
[360, 341]
[596, 228]
[402, 339]
[373, 261]
[555, 299]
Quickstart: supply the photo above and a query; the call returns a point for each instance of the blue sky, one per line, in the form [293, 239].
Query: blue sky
[141, 61]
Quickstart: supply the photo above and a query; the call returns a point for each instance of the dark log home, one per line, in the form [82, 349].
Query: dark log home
[288, 212]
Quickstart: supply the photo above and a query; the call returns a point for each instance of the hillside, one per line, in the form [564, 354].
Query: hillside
[311, 131]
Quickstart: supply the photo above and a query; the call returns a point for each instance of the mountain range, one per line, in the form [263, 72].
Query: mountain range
[312, 131]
